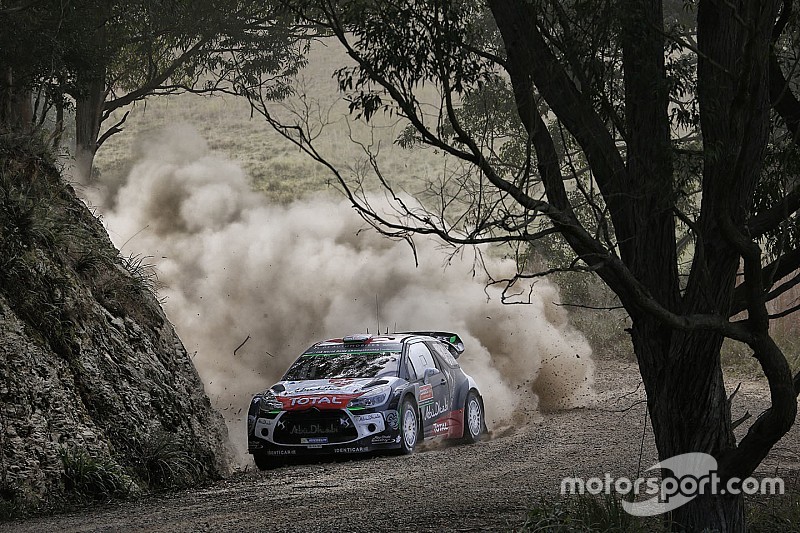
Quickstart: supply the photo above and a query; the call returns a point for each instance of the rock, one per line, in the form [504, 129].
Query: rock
[89, 364]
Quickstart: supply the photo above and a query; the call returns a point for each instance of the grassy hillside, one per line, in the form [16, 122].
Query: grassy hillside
[277, 167]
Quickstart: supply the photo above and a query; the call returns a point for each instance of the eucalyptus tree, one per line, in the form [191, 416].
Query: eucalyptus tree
[661, 146]
[102, 57]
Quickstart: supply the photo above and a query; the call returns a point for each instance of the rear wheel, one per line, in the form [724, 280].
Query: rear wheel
[409, 427]
[474, 423]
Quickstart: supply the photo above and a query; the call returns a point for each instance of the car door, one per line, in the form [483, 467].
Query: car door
[434, 390]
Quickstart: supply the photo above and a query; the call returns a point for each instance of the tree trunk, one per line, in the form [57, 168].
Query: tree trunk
[90, 94]
[710, 513]
[88, 112]
[16, 107]
[681, 369]
[690, 412]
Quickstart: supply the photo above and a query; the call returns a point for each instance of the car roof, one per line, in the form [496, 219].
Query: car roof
[361, 338]
[451, 340]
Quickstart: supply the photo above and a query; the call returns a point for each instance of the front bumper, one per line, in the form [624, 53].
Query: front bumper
[314, 432]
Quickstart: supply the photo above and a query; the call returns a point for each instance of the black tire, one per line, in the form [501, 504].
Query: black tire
[474, 420]
[265, 462]
[409, 426]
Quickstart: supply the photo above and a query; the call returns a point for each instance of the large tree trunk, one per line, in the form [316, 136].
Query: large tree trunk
[16, 104]
[690, 412]
[88, 112]
[710, 513]
[680, 369]
[90, 93]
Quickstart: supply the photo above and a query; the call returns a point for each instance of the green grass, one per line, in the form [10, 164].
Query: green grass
[162, 461]
[604, 514]
[775, 513]
[88, 478]
[585, 514]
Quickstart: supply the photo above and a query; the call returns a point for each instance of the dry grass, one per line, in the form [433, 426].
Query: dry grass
[276, 167]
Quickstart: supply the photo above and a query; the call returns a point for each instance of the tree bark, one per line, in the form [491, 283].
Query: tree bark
[16, 106]
[88, 112]
[681, 370]
[710, 513]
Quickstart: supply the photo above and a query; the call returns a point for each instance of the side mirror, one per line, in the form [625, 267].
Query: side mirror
[429, 373]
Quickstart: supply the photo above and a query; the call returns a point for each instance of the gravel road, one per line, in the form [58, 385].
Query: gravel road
[486, 486]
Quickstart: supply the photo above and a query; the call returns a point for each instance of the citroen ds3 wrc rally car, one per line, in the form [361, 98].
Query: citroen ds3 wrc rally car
[365, 393]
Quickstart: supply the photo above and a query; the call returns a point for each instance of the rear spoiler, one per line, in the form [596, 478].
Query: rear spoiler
[452, 340]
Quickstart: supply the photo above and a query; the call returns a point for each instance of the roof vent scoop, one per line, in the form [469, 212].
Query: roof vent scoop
[359, 338]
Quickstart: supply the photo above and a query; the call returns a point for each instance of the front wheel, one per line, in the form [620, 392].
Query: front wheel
[409, 427]
[473, 418]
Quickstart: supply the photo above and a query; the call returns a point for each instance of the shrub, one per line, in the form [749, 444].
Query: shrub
[162, 461]
[92, 478]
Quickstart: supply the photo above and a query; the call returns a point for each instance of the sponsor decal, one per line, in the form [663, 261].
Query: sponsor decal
[354, 449]
[440, 427]
[341, 382]
[353, 349]
[370, 417]
[433, 409]
[314, 429]
[314, 440]
[281, 452]
[318, 388]
[385, 439]
[393, 419]
[425, 393]
[320, 401]
[450, 425]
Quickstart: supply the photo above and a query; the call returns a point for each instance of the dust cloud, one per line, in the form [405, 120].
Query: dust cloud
[249, 285]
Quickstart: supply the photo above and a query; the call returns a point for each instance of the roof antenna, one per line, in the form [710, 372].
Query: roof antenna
[377, 313]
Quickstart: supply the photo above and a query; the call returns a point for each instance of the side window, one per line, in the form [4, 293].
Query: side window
[420, 358]
[410, 371]
[442, 351]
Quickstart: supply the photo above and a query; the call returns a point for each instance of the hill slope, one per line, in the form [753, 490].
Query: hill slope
[98, 396]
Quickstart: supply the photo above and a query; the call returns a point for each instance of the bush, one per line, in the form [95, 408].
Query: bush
[162, 461]
[86, 477]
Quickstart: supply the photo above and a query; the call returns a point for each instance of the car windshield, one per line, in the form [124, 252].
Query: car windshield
[344, 362]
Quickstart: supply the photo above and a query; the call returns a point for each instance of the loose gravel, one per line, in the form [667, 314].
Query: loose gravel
[484, 487]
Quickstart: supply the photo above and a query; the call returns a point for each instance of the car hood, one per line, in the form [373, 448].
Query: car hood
[326, 393]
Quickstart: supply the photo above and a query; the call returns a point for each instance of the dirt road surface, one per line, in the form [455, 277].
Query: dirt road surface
[484, 487]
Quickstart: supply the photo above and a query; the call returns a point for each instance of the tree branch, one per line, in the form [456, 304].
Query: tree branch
[776, 270]
[518, 25]
[772, 217]
[155, 81]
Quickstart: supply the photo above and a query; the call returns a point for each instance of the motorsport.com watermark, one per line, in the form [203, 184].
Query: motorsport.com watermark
[693, 474]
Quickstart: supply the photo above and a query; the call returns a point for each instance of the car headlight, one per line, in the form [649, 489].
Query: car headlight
[269, 402]
[372, 398]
